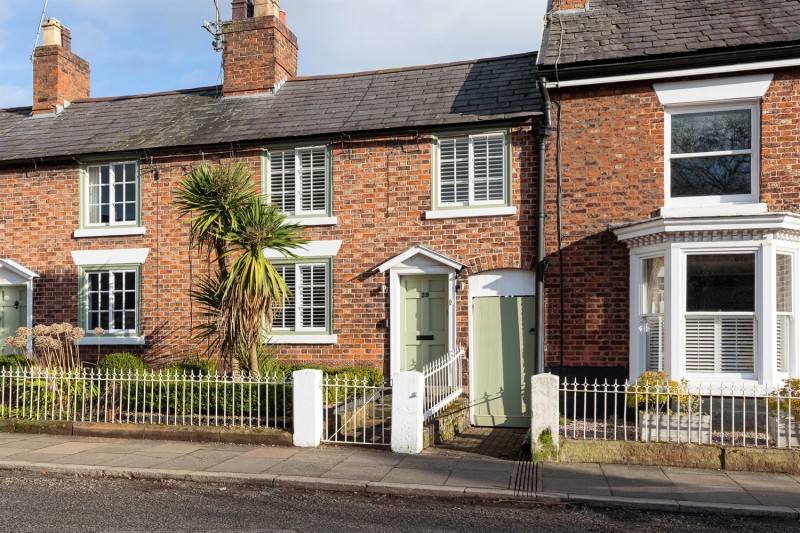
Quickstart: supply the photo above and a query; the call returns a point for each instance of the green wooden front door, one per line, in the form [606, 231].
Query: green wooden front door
[13, 310]
[423, 327]
[502, 360]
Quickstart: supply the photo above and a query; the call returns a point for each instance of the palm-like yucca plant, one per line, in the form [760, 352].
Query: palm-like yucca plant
[231, 221]
[253, 287]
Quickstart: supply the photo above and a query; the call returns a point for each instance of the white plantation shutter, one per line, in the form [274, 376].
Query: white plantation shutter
[720, 343]
[488, 168]
[282, 180]
[454, 171]
[285, 316]
[736, 344]
[782, 342]
[312, 297]
[654, 331]
[313, 186]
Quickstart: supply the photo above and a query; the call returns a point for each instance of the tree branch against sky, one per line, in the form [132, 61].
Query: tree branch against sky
[142, 46]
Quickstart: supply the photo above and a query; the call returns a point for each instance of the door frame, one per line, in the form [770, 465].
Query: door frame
[395, 345]
[12, 274]
[512, 282]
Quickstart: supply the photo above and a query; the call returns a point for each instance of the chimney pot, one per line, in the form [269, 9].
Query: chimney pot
[51, 34]
[66, 39]
[266, 8]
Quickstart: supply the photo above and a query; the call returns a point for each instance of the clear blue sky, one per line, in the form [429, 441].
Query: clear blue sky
[141, 46]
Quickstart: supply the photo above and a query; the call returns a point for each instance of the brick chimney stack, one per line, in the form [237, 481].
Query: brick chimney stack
[569, 5]
[59, 76]
[258, 50]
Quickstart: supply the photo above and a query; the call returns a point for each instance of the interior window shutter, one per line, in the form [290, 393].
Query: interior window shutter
[312, 180]
[701, 336]
[313, 296]
[488, 168]
[285, 315]
[282, 180]
[736, 344]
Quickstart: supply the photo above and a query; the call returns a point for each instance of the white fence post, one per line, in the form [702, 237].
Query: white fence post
[408, 397]
[307, 408]
[544, 416]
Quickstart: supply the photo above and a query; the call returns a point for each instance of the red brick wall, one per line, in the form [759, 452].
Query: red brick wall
[381, 189]
[612, 144]
[257, 53]
[58, 76]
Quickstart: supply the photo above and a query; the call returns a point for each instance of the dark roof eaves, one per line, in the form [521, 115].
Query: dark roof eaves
[647, 64]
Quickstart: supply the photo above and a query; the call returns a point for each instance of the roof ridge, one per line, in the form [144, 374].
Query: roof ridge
[410, 68]
[146, 95]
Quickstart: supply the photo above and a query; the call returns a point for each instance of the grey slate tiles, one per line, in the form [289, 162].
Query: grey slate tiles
[421, 97]
[613, 30]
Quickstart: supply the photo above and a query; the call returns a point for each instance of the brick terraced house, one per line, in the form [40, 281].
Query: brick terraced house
[673, 192]
[415, 187]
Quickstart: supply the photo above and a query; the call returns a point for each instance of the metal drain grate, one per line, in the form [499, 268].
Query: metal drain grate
[525, 477]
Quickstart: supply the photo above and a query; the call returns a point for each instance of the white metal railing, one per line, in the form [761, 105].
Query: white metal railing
[443, 382]
[730, 414]
[150, 397]
[356, 411]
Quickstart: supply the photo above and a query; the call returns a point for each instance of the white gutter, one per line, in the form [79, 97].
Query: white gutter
[725, 69]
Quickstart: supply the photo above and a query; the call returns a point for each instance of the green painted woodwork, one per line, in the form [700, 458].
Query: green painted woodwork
[423, 312]
[502, 360]
[13, 310]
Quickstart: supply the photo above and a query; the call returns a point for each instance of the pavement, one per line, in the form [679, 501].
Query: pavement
[438, 472]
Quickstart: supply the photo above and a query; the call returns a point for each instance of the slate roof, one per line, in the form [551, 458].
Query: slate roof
[619, 30]
[418, 97]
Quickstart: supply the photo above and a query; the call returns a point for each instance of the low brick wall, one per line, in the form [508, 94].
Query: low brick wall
[447, 424]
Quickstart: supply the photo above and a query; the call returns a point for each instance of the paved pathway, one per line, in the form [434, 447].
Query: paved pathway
[430, 474]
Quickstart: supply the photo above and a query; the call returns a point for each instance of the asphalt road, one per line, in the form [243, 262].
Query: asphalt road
[42, 502]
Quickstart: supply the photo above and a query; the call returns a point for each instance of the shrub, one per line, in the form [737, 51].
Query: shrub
[196, 365]
[654, 392]
[122, 361]
[789, 401]
[14, 361]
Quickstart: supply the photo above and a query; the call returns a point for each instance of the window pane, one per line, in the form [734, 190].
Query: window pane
[285, 315]
[724, 282]
[454, 171]
[783, 279]
[712, 131]
[654, 285]
[708, 176]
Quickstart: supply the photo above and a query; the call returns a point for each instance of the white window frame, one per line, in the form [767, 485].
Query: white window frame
[471, 202]
[793, 343]
[88, 272]
[109, 261]
[88, 226]
[316, 217]
[711, 200]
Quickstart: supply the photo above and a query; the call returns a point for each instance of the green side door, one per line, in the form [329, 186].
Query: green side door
[13, 310]
[423, 328]
[502, 360]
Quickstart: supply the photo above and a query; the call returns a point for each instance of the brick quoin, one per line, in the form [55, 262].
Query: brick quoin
[612, 152]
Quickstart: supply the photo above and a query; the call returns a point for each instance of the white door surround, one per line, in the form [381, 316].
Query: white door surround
[14, 274]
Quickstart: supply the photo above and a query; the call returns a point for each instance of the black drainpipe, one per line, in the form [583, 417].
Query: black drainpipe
[541, 134]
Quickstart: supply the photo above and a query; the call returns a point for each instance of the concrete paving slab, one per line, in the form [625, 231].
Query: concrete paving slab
[594, 487]
[34, 457]
[580, 470]
[248, 465]
[175, 448]
[428, 462]
[212, 456]
[328, 452]
[370, 457]
[274, 452]
[301, 468]
[90, 458]
[494, 465]
[480, 478]
[8, 452]
[358, 472]
[780, 499]
[419, 476]
[67, 448]
[704, 478]
[183, 463]
[34, 444]
[135, 461]
[700, 493]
